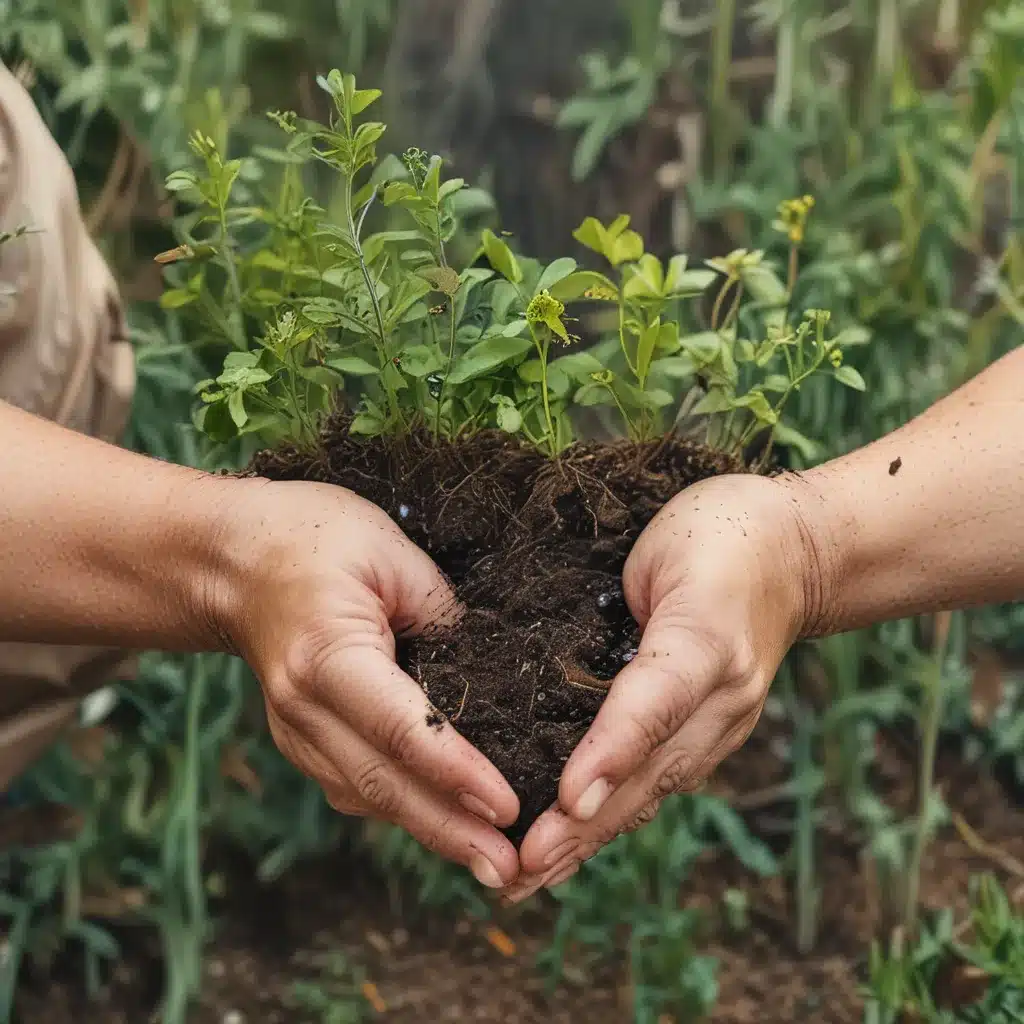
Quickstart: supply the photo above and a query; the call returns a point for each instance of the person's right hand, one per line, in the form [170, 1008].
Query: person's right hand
[310, 585]
[722, 582]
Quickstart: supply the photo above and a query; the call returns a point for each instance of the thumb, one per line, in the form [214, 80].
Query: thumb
[676, 667]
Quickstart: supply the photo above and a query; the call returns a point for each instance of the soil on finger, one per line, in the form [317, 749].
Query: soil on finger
[535, 548]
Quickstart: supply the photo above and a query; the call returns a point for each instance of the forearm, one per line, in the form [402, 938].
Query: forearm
[99, 545]
[929, 517]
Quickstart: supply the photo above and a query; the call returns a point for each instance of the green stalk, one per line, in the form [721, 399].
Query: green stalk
[721, 61]
[356, 230]
[447, 369]
[542, 352]
[785, 56]
[931, 719]
[806, 891]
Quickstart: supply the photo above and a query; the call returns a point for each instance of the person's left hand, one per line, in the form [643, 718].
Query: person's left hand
[722, 582]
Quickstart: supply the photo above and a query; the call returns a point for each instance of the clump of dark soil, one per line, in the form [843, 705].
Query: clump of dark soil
[535, 549]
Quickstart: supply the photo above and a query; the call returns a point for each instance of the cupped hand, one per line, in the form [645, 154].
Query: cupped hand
[722, 582]
[312, 585]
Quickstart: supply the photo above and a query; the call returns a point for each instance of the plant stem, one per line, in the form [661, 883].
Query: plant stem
[716, 310]
[447, 369]
[356, 230]
[931, 719]
[721, 61]
[542, 352]
[806, 891]
[785, 51]
[236, 321]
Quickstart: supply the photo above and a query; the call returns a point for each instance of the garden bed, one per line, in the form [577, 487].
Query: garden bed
[441, 966]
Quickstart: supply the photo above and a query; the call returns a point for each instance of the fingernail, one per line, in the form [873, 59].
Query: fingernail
[593, 799]
[476, 806]
[555, 855]
[485, 872]
[563, 877]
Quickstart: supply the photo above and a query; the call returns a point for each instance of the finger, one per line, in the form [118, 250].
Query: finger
[553, 837]
[339, 759]
[683, 765]
[417, 596]
[363, 686]
[675, 669]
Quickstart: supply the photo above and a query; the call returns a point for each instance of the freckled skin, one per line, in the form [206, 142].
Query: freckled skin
[735, 570]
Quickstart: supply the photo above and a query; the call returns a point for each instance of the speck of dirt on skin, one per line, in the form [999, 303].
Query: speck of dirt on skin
[895, 466]
[534, 549]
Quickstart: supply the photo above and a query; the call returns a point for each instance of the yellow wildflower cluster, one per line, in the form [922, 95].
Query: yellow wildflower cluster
[793, 214]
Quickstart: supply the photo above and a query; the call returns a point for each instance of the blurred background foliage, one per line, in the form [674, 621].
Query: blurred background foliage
[903, 118]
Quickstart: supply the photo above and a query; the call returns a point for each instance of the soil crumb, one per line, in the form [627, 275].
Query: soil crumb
[895, 466]
[535, 550]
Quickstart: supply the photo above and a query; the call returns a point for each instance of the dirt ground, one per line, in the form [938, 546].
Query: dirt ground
[436, 967]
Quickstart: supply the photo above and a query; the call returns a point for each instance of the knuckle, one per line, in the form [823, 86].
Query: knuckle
[375, 787]
[286, 699]
[657, 724]
[644, 816]
[744, 663]
[674, 778]
[396, 735]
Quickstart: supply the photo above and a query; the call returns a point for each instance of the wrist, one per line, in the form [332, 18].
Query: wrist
[820, 544]
[217, 565]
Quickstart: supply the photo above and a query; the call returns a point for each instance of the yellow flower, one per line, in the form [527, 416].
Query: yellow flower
[793, 214]
[546, 309]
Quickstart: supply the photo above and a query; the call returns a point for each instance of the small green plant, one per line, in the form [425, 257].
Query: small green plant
[954, 974]
[338, 995]
[303, 302]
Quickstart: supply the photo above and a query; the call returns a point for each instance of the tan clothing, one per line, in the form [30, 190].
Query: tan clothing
[64, 354]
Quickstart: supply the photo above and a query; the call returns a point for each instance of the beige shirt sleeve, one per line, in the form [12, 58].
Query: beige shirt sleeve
[64, 354]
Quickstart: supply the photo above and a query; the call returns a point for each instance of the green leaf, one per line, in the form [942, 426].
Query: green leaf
[501, 257]
[750, 851]
[236, 407]
[645, 280]
[776, 382]
[763, 285]
[628, 246]
[680, 367]
[716, 400]
[558, 382]
[593, 394]
[681, 283]
[576, 286]
[180, 181]
[645, 348]
[704, 347]
[592, 234]
[354, 366]
[487, 355]
[555, 272]
[177, 298]
[363, 98]
[789, 436]
[756, 402]
[850, 377]
[508, 416]
[579, 365]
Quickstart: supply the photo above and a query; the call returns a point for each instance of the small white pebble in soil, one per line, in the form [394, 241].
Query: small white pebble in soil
[403, 511]
[216, 969]
[233, 1017]
[542, 696]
